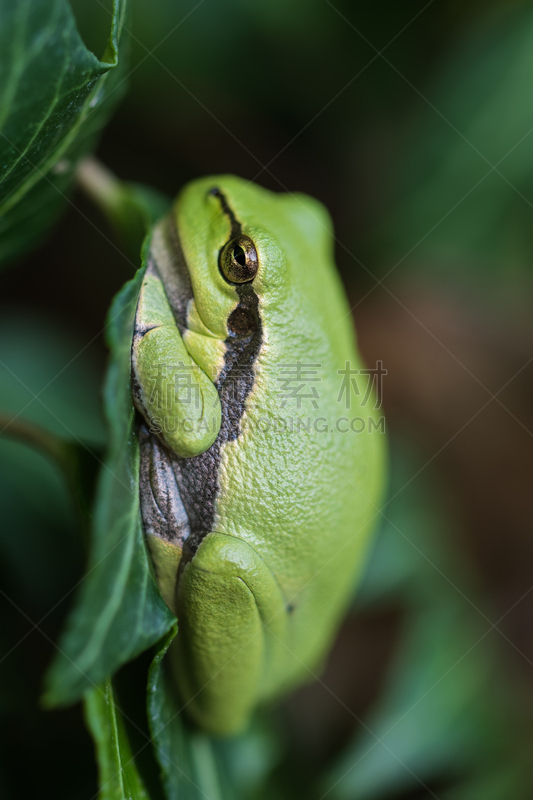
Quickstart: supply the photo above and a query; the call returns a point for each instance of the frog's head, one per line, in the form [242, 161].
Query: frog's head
[247, 251]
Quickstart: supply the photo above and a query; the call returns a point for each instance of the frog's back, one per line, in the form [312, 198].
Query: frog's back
[303, 481]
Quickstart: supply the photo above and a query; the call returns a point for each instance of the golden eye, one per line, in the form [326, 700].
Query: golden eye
[238, 260]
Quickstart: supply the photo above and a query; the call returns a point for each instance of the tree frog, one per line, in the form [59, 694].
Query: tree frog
[261, 451]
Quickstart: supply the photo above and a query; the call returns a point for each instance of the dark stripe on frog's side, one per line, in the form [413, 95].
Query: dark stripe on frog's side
[196, 479]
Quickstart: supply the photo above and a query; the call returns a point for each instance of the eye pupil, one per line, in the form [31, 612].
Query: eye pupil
[239, 255]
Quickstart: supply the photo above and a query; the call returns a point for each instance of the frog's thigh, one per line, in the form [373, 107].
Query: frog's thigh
[232, 624]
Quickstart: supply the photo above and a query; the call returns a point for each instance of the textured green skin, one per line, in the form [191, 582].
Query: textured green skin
[261, 600]
[164, 345]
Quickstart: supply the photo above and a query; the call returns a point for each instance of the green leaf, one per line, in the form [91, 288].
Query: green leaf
[118, 776]
[119, 611]
[188, 764]
[195, 766]
[55, 97]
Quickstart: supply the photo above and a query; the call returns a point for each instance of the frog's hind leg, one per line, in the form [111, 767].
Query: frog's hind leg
[232, 630]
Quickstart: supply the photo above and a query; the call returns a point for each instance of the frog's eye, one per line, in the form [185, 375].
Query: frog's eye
[238, 260]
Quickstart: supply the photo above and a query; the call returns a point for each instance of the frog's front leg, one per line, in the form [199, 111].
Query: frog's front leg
[233, 633]
[181, 409]
[178, 400]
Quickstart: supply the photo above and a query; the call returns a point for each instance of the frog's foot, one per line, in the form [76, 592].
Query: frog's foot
[164, 517]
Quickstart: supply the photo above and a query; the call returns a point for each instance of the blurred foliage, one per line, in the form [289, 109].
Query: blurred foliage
[46, 379]
[119, 777]
[50, 379]
[412, 122]
[446, 718]
[466, 178]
